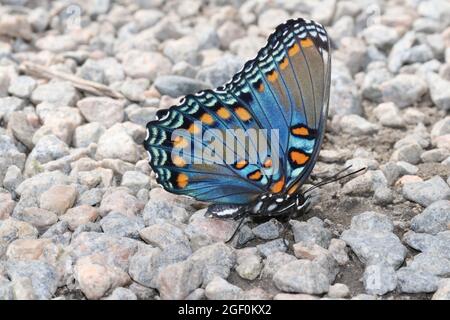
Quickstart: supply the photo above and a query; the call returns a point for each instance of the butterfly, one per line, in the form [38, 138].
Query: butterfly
[285, 90]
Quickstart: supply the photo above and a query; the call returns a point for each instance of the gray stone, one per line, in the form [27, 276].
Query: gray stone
[274, 262]
[436, 244]
[104, 110]
[337, 250]
[338, 291]
[270, 247]
[245, 235]
[379, 279]
[397, 55]
[431, 263]
[439, 91]
[443, 291]
[375, 247]
[311, 231]
[220, 289]
[148, 65]
[43, 277]
[372, 221]
[356, 125]
[268, 230]
[161, 211]
[249, 267]
[176, 86]
[112, 250]
[383, 196]
[389, 115]
[10, 104]
[116, 143]
[427, 192]
[6, 289]
[135, 180]
[344, 96]
[178, 280]
[134, 89]
[365, 184]
[40, 218]
[404, 90]
[183, 49]
[435, 218]
[435, 155]
[214, 260]
[164, 235]
[302, 276]
[22, 86]
[21, 128]
[59, 93]
[47, 149]
[220, 72]
[120, 225]
[414, 281]
[87, 134]
[410, 153]
[13, 177]
[379, 35]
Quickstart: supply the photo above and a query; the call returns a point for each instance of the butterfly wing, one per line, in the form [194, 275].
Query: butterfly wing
[284, 89]
[188, 162]
[300, 65]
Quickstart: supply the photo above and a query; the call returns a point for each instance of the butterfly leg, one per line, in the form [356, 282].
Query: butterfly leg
[237, 228]
[302, 209]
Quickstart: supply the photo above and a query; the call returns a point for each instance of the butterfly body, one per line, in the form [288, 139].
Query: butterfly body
[209, 146]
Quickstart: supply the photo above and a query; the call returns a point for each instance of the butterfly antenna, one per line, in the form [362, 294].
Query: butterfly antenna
[335, 178]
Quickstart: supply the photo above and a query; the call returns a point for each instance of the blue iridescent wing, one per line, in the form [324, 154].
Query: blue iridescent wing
[179, 150]
[285, 88]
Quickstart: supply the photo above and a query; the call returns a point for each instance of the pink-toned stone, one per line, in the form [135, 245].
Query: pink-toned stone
[120, 201]
[290, 296]
[408, 179]
[58, 198]
[80, 215]
[32, 249]
[6, 206]
[308, 251]
[96, 279]
[40, 218]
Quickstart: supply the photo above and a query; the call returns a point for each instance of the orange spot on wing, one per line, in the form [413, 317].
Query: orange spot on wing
[300, 131]
[243, 114]
[272, 77]
[306, 43]
[178, 161]
[182, 180]
[298, 157]
[278, 186]
[261, 87]
[241, 164]
[255, 175]
[223, 113]
[284, 63]
[193, 129]
[207, 119]
[180, 142]
[267, 163]
[294, 50]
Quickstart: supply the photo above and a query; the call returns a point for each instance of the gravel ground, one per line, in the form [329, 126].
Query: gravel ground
[81, 216]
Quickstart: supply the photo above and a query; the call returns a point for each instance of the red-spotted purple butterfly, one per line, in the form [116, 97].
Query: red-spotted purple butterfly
[284, 89]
